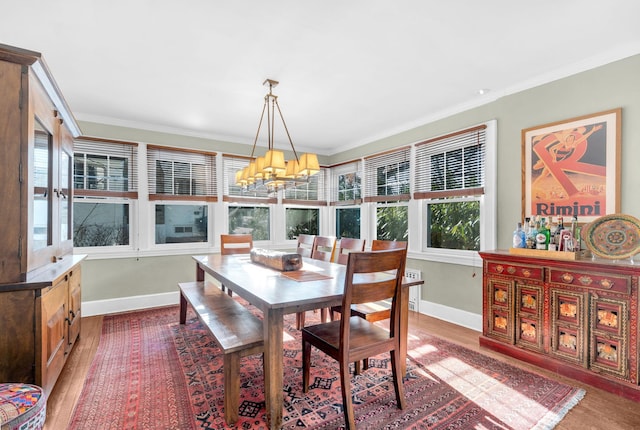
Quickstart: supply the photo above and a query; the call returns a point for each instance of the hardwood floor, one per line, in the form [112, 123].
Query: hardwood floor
[598, 410]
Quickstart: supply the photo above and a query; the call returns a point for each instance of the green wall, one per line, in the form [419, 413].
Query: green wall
[603, 88]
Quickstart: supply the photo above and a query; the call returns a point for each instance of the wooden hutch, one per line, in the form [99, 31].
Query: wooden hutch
[40, 290]
[577, 318]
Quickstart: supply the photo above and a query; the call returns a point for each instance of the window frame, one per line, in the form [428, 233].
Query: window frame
[418, 228]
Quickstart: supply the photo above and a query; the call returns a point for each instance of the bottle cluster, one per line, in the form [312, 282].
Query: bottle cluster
[547, 234]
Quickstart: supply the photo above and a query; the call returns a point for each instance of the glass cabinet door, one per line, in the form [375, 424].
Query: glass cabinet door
[63, 193]
[41, 234]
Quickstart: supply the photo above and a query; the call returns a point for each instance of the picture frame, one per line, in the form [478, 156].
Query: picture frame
[572, 167]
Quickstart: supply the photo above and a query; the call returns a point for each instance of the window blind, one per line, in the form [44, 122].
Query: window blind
[233, 193]
[451, 165]
[105, 168]
[387, 176]
[312, 192]
[181, 174]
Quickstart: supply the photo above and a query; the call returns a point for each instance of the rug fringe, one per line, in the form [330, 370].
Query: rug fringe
[552, 418]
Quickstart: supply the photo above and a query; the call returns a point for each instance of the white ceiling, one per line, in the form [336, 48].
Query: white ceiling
[350, 71]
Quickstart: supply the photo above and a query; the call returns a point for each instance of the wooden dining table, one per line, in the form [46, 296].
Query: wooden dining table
[276, 294]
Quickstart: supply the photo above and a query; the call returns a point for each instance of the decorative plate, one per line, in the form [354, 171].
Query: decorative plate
[613, 236]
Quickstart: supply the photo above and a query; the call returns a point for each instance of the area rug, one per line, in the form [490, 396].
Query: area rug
[152, 373]
[447, 387]
[135, 380]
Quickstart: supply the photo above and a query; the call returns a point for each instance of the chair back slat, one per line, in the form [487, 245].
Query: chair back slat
[235, 244]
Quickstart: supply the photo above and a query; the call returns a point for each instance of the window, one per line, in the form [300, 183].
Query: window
[100, 224]
[252, 220]
[105, 183]
[346, 190]
[450, 178]
[177, 223]
[388, 186]
[348, 222]
[302, 221]
[235, 193]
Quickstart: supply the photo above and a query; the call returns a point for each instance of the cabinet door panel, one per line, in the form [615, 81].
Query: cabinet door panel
[529, 303]
[54, 334]
[568, 325]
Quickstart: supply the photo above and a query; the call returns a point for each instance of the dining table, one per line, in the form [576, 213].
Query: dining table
[318, 284]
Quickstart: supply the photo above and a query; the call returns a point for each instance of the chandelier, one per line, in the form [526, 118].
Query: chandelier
[271, 171]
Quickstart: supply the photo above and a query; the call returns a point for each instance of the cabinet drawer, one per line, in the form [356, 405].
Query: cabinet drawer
[598, 281]
[518, 270]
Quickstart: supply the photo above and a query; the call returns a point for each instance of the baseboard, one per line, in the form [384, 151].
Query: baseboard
[124, 304]
[452, 315]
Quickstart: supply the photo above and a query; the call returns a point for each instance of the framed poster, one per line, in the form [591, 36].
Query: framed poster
[572, 167]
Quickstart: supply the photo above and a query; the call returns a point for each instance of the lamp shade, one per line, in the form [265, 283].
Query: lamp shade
[260, 172]
[308, 165]
[292, 169]
[274, 162]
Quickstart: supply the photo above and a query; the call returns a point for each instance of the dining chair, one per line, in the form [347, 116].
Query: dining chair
[235, 244]
[322, 249]
[370, 277]
[372, 311]
[346, 245]
[305, 244]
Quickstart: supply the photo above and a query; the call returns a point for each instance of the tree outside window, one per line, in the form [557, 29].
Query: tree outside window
[302, 221]
[251, 220]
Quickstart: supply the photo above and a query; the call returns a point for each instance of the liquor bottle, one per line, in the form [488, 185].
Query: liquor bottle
[552, 231]
[558, 233]
[531, 234]
[519, 239]
[542, 236]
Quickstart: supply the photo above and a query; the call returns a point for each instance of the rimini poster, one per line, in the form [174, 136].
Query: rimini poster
[572, 167]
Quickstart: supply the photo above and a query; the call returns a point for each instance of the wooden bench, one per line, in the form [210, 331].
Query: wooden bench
[236, 330]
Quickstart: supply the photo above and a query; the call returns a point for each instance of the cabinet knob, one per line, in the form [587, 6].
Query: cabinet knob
[68, 321]
[567, 277]
[73, 314]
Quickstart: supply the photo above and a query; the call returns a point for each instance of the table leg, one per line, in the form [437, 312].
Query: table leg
[273, 366]
[199, 273]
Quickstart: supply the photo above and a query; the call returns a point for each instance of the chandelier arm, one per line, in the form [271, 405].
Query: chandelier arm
[255, 141]
[287, 131]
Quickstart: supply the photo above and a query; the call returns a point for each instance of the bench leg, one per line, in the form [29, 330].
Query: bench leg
[183, 309]
[231, 387]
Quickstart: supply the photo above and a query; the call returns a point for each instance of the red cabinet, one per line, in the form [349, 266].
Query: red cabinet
[578, 318]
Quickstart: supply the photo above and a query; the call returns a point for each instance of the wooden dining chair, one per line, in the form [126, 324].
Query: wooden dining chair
[235, 244]
[377, 311]
[346, 245]
[353, 339]
[322, 249]
[305, 244]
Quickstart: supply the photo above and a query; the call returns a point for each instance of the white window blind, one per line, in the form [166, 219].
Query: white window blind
[451, 165]
[105, 168]
[387, 176]
[311, 192]
[181, 174]
[346, 183]
[234, 193]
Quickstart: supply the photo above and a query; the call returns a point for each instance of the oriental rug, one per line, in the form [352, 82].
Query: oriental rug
[447, 386]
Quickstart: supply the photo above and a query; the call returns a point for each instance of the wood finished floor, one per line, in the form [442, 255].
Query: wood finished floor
[598, 410]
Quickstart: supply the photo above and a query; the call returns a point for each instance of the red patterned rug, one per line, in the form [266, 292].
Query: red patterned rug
[447, 386]
[135, 380]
